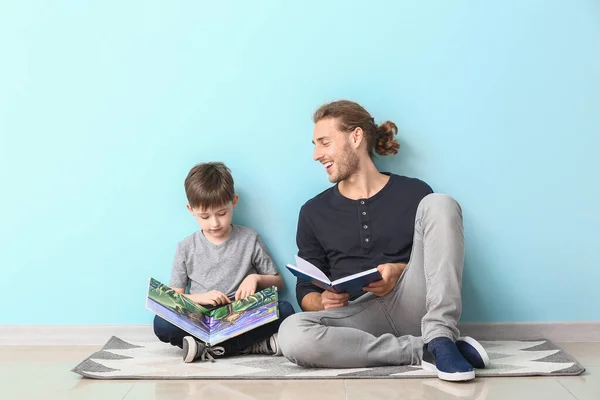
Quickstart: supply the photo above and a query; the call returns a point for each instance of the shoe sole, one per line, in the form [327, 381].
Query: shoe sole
[447, 376]
[190, 348]
[482, 353]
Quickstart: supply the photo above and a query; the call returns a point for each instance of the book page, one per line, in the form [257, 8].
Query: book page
[244, 315]
[310, 270]
[355, 276]
[177, 309]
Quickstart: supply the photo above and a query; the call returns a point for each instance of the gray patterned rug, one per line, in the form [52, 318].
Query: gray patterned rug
[119, 359]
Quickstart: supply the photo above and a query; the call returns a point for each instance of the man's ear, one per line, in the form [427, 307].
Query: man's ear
[357, 137]
[190, 209]
[235, 200]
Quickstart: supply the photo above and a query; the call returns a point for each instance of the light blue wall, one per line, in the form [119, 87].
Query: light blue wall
[105, 105]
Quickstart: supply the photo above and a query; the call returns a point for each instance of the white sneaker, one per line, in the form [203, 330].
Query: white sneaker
[194, 349]
[268, 346]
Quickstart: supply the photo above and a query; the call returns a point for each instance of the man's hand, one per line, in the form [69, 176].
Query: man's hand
[247, 287]
[390, 273]
[331, 300]
[212, 298]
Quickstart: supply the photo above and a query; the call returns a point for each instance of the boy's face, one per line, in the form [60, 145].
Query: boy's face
[215, 222]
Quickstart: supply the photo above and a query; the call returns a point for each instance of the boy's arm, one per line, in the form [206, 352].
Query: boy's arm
[212, 298]
[179, 276]
[254, 282]
[266, 276]
[265, 281]
[265, 266]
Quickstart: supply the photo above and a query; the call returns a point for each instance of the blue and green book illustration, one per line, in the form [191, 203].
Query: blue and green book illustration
[213, 326]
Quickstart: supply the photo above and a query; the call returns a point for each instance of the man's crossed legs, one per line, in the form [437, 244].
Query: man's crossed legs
[414, 324]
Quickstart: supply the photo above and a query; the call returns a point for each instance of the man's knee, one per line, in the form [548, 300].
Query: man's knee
[439, 203]
[439, 200]
[295, 338]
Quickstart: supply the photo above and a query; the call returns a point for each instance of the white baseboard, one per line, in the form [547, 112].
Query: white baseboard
[71, 335]
[80, 335]
[585, 331]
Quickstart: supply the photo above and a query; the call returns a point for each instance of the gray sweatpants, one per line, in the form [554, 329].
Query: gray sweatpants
[390, 330]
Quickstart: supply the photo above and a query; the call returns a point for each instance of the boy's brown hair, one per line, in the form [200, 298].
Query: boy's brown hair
[209, 185]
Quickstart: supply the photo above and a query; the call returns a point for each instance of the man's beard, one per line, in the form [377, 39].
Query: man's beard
[346, 166]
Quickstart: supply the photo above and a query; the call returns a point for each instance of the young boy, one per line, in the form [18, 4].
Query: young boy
[221, 262]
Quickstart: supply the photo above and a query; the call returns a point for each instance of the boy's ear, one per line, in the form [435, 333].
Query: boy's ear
[235, 200]
[189, 208]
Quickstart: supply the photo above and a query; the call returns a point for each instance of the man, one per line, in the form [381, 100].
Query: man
[371, 219]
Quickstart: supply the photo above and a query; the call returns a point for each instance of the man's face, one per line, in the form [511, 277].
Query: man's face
[333, 150]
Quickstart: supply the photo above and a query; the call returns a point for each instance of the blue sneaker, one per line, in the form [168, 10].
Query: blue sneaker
[441, 356]
[473, 352]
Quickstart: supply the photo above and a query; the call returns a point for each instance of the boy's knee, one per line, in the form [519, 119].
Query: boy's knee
[161, 328]
[285, 310]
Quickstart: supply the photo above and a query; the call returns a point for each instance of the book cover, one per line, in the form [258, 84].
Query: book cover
[216, 325]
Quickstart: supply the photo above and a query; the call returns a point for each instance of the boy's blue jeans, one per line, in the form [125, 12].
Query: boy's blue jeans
[169, 333]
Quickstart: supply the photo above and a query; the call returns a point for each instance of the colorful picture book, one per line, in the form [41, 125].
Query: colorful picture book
[216, 325]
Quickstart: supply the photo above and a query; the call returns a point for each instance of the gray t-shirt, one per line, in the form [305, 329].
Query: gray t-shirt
[223, 267]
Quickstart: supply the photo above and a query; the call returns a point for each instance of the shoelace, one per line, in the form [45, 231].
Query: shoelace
[207, 353]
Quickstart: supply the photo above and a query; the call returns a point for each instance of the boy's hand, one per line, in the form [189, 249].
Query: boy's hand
[212, 298]
[390, 273]
[247, 287]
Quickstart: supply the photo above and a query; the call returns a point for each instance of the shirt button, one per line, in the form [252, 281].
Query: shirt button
[365, 226]
[367, 240]
[362, 202]
[364, 213]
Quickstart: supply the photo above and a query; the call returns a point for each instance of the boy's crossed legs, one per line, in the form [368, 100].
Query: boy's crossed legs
[259, 340]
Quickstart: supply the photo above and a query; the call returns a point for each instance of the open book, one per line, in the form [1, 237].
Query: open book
[352, 284]
[213, 326]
